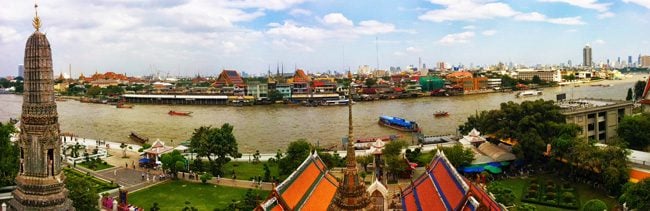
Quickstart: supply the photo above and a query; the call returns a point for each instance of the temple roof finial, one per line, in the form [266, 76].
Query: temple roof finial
[37, 21]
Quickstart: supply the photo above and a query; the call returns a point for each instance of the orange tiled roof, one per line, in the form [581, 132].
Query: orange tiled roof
[638, 175]
[310, 187]
[442, 188]
[646, 89]
[300, 76]
[229, 77]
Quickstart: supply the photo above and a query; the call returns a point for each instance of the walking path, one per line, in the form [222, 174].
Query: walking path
[234, 183]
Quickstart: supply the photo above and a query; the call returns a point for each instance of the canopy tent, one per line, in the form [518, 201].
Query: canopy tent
[496, 153]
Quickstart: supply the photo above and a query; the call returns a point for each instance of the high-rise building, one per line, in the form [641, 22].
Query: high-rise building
[586, 56]
[21, 71]
[40, 180]
[569, 63]
[645, 61]
[629, 61]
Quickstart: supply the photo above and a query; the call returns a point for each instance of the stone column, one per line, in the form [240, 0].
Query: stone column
[4, 207]
[114, 205]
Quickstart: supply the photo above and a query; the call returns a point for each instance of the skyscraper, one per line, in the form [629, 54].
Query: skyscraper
[40, 181]
[21, 71]
[629, 61]
[586, 56]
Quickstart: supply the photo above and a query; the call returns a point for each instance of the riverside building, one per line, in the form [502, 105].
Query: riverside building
[598, 118]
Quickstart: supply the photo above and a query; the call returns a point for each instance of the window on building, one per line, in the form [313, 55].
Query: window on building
[50, 161]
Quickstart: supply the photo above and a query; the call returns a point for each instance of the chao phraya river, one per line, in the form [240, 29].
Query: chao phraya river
[268, 128]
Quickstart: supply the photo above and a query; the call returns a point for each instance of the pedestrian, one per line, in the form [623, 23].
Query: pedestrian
[115, 172]
[142, 175]
[126, 165]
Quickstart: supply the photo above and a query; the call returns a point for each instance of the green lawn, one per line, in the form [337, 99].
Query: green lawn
[585, 192]
[101, 185]
[173, 194]
[246, 170]
[98, 166]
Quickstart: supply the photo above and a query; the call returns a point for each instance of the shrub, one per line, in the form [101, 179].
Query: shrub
[568, 197]
[205, 177]
[594, 205]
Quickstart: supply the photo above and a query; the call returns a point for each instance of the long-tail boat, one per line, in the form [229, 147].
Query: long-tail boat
[179, 113]
[138, 138]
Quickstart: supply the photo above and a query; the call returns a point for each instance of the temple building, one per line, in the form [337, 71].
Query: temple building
[40, 181]
[313, 187]
[442, 188]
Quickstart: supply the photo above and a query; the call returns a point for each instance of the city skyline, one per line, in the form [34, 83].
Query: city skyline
[197, 37]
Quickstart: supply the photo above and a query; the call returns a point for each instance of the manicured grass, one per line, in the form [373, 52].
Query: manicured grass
[246, 170]
[98, 166]
[585, 192]
[101, 185]
[173, 194]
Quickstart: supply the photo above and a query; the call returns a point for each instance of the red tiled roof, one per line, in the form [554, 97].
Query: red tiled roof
[442, 188]
[229, 77]
[310, 187]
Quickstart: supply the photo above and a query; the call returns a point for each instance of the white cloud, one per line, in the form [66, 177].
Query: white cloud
[294, 31]
[587, 4]
[371, 27]
[337, 19]
[489, 32]
[399, 53]
[265, 4]
[463, 37]
[292, 45]
[643, 3]
[486, 9]
[467, 10]
[606, 15]
[599, 42]
[412, 49]
[8, 35]
[299, 12]
[538, 17]
[571, 30]
[469, 27]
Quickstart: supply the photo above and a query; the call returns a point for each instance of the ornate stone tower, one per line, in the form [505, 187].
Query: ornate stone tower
[40, 180]
[351, 193]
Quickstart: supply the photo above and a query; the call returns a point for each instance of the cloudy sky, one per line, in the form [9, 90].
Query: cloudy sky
[186, 37]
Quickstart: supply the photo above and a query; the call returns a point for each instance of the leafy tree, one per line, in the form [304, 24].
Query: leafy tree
[206, 177]
[537, 80]
[275, 95]
[632, 129]
[364, 161]
[594, 205]
[215, 144]
[124, 148]
[458, 155]
[639, 87]
[9, 161]
[526, 207]
[629, 94]
[256, 156]
[83, 193]
[154, 207]
[370, 82]
[189, 207]
[637, 196]
[93, 91]
[394, 148]
[395, 164]
[251, 200]
[532, 123]
[297, 152]
[173, 162]
[507, 81]
[267, 173]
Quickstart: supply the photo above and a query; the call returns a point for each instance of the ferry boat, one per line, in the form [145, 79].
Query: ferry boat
[337, 102]
[399, 124]
[529, 93]
[179, 113]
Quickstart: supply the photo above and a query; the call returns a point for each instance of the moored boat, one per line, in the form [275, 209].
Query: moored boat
[122, 105]
[529, 93]
[399, 124]
[441, 114]
[138, 138]
[179, 113]
[383, 138]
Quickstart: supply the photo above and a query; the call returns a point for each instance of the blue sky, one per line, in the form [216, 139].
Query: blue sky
[186, 37]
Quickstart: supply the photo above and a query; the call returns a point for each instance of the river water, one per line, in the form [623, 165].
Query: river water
[268, 128]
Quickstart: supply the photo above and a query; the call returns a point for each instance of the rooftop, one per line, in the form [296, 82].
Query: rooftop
[586, 104]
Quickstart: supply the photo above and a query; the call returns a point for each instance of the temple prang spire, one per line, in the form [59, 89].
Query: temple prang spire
[37, 21]
[40, 180]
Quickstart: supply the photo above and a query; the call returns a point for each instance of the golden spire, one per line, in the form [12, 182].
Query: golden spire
[37, 21]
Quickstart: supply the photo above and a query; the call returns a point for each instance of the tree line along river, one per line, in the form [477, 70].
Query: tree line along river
[271, 127]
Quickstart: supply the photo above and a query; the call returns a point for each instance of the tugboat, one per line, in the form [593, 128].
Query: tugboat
[441, 114]
[179, 113]
[399, 124]
[138, 138]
